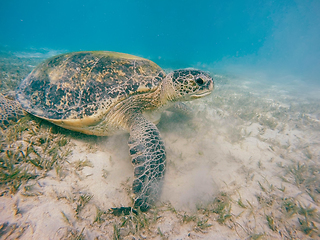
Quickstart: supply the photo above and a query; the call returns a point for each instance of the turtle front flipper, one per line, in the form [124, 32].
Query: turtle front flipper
[10, 110]
[149, 159]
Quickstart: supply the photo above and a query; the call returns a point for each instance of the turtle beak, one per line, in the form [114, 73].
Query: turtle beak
[210, 85]
[195, 96]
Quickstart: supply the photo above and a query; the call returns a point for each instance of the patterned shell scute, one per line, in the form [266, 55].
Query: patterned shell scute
[77, 85]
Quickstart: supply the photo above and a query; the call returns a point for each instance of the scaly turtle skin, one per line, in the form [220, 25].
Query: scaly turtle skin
[104, 93]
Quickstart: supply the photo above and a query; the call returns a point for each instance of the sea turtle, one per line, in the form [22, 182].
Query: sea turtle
[104, 93]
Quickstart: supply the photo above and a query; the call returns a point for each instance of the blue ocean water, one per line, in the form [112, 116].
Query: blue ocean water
[249, 156]
[281, 37]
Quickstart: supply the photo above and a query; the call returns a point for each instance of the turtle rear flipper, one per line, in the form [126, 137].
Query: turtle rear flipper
[10, 110]
[149, 157]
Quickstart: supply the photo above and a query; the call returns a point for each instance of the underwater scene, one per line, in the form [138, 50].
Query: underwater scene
[236, 158]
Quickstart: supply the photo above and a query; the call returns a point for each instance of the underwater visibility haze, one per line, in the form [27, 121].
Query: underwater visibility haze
[244, 165]
[277, 36]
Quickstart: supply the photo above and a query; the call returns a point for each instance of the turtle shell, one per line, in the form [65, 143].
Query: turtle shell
[83, 85]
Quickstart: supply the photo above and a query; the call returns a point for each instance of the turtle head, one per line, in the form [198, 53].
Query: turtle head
[189, 84]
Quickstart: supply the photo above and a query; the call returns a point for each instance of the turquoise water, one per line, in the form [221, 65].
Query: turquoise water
[244, 166]
[282, 37]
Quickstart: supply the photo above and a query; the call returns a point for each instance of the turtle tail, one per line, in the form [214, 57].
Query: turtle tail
[10, 110]
[149, 159]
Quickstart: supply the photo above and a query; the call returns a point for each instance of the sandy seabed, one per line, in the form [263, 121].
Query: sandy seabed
[246, 166]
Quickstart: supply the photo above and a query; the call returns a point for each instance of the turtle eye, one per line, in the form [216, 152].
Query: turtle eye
[199, 81]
